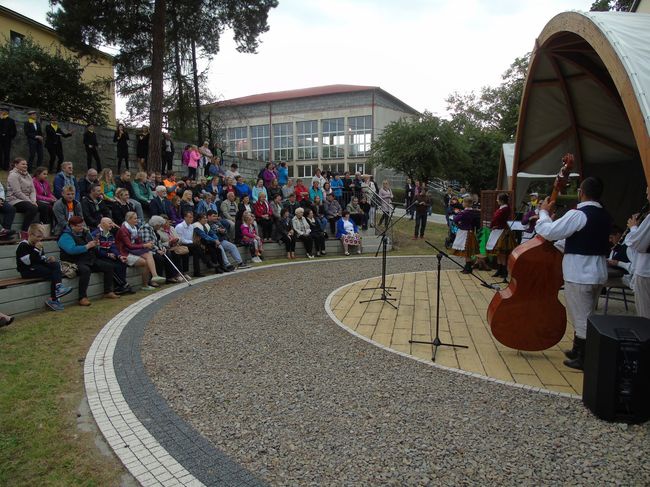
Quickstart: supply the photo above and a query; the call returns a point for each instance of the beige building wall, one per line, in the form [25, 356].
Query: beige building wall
[94, 69]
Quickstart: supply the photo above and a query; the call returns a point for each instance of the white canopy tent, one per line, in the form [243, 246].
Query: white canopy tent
[587, 92]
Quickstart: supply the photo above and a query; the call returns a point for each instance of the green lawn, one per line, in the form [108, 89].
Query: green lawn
[41, 387]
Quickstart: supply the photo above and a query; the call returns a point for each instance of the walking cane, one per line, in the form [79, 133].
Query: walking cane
[176, 269]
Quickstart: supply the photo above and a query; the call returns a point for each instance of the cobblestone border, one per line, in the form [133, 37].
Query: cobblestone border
[155, 445]
[328, 309]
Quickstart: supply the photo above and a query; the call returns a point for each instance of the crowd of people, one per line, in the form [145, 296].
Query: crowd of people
[106, 223]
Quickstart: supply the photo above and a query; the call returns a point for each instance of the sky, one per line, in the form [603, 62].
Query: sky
[418, 50]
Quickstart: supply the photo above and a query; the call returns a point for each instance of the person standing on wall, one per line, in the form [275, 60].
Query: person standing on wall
[91, 145]
[7, 134]
[167, 148]
[34, 134]
[53, 143]
[121, 138]
[142, 148]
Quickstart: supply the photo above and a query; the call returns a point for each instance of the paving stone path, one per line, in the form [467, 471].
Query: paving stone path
[279, 394]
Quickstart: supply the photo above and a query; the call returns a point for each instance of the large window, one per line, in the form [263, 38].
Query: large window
[360, 133]
[333, 138]
[307, 140]
[283, 141]
[307, 171]
[260, 142]
[334, 167]
[238, 141]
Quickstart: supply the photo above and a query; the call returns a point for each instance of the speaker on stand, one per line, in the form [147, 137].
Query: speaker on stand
[616, 383]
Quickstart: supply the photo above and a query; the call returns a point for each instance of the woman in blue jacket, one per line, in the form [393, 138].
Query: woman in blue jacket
[348, 232]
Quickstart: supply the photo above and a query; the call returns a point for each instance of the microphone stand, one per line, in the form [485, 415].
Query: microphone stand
[383, 245]
[436, 340]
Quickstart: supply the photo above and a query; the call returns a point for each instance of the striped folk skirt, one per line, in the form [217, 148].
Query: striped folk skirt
[465, 244]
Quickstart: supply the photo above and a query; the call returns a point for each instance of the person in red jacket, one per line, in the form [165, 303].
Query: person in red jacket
[301, 191]
[137, 254]
[264, 216]
[501, 240]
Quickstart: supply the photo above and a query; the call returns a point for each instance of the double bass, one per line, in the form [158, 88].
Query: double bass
[527, 315]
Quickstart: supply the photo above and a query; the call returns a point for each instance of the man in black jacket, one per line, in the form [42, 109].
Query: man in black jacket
[34, 134]
[7, 134]
[159, 204]
[53, 144]
[94, 208]
[90, 143]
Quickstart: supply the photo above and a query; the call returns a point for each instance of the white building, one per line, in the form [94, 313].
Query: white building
[331, 127]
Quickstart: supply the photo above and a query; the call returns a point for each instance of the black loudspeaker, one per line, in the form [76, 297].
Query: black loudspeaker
[616, 383]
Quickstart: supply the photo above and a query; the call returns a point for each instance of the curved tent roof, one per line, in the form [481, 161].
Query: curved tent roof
[587, 92]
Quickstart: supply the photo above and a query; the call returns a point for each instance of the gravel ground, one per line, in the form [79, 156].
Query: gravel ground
[256, 366]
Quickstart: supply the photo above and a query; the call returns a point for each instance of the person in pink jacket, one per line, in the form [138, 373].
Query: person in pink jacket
[250, 238]
[194, 157]
[44, 196]
[21, 194]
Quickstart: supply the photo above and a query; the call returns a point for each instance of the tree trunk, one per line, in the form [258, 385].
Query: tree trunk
[157, 67]
[197, 98]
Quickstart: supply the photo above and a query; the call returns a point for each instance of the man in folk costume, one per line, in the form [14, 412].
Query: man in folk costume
[465, 244]
[7, 134]
[501, 240]
[638, 240]
[34, 134]
[584, 235]
[53, 144]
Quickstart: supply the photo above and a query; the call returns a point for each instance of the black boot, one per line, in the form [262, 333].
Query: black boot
[499, 272]
[578, 361]
[467, 269]
[573, 353]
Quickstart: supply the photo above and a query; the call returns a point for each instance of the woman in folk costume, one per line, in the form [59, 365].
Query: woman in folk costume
[465, 243]
[502, 240]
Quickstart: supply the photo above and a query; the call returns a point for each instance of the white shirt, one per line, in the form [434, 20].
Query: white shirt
[576, 268]
[185, 232]
[639, 240]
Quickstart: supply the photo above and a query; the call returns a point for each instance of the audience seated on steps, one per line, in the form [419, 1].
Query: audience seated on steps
[218, 227]
[87, 182]
[185, 231]
[137, 253]
[8, 213]
[79, 248]
[94, 208]
[21, 194]
[31, 262]
[65, 208]
[166, 262]
[348, 231]
[160, 205]
[104, 234]
[64, 178]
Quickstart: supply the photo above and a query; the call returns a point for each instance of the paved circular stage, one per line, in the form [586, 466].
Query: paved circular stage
[244, 379]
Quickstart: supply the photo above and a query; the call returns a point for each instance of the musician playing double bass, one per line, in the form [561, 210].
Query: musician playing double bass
[638, 243]
[585, 232]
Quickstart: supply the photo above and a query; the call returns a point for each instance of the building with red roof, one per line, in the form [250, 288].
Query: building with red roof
[331, 127]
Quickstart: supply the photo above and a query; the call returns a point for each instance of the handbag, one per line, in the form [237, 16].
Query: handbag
[180, 250]
[69, 269]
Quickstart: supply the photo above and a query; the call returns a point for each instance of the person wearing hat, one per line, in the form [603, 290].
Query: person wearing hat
[53, 144]
[7, 134]
[79, 247]
[91, 145]
[34, 134]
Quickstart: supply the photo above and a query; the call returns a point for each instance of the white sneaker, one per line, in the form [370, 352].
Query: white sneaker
[309, 256]
[256, 259]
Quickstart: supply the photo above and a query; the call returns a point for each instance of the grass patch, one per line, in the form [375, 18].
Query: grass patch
[41, 387]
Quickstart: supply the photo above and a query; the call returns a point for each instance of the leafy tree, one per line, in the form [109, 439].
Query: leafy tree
[421, 148]
[51, 81]
[143, 31]
[617, 5]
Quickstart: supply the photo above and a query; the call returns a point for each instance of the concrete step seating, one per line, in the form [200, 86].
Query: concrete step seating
[20, 296]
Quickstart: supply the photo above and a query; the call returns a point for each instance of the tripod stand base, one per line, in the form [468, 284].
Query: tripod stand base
[438, 343]
[383, 297]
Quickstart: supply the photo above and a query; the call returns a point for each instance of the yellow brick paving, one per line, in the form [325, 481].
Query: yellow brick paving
[463, 320]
